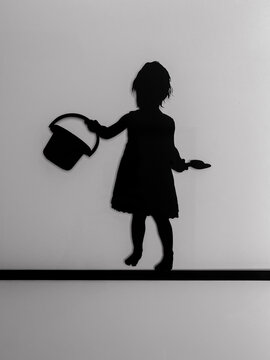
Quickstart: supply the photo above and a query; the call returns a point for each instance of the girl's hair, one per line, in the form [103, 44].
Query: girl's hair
[152, 84]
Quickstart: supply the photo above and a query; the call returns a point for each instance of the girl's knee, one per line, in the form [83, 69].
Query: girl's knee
[161, 220]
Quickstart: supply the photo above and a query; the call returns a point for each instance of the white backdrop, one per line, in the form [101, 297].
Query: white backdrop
[81, 56]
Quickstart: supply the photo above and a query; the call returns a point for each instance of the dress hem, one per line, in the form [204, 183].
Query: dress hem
[147, 213]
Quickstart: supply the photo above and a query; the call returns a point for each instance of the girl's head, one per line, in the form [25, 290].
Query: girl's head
[152, 85]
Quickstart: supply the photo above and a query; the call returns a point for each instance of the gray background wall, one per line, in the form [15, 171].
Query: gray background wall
[66, 56]
[61, 56]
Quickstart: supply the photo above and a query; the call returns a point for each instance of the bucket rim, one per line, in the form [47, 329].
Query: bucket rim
[53, 126]
[61, 130]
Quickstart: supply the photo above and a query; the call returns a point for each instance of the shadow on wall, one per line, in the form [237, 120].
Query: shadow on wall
[144, 184]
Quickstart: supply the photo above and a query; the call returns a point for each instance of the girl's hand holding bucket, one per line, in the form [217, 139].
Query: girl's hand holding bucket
[92, 125]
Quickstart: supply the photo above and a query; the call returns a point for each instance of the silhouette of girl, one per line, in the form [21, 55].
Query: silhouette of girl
[144, 183]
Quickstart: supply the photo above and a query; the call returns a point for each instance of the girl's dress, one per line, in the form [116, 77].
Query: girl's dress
[144, 181]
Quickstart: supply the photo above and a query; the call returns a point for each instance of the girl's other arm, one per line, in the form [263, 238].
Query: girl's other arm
[177, 163]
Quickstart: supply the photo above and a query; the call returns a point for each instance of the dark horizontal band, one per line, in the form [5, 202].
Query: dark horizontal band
[139, 275]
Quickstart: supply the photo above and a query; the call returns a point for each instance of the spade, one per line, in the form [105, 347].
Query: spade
[198, 164]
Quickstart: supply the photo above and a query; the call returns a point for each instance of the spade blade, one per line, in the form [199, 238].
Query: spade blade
[198, 164]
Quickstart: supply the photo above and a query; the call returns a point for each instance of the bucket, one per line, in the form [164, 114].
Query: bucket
[64, 149]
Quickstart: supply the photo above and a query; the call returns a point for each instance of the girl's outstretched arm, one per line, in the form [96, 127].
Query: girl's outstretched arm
[107, 132]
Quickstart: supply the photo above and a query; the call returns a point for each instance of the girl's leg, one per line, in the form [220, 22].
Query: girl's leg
[137, 233]
[166, 236]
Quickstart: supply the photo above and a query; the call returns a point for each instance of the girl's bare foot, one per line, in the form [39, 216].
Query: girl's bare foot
[133, 259]
[165, 264]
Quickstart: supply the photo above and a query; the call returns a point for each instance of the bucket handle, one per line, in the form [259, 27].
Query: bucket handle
[79, 116]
